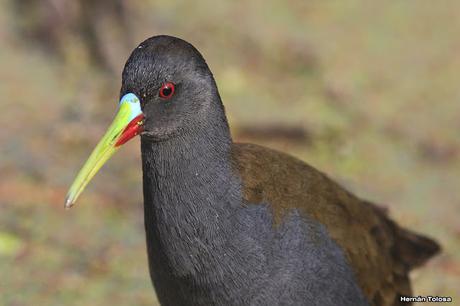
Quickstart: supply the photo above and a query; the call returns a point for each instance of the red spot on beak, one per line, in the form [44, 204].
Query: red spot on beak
[134, 128]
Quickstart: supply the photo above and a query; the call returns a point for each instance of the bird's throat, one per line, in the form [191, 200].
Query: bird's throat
[190, 194]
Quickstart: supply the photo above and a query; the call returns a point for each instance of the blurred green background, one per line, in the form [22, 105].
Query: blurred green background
[367, 91]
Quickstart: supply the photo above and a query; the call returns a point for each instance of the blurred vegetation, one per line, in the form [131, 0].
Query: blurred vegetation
[367, 91]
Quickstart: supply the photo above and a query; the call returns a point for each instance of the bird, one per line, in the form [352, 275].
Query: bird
[232, 223]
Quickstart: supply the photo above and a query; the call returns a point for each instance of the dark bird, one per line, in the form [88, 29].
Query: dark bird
[240, 224]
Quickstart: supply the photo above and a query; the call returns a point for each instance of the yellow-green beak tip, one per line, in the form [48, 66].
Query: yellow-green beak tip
[68, 202]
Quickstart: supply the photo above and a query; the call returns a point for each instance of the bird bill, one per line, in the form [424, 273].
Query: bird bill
[127, 123]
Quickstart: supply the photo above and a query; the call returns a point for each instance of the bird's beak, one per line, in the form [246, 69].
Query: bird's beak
[128, 122]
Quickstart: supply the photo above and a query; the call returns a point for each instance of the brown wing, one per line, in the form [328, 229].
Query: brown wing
[380, 252]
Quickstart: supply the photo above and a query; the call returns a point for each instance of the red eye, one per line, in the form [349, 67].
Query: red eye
[166, 90]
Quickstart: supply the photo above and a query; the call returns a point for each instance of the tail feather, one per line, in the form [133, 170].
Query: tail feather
[411, 249]
[414, 249]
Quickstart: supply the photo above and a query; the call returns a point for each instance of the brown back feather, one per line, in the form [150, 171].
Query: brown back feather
[380, 252]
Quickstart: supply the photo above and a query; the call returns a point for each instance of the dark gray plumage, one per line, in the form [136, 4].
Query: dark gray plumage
[216, 234]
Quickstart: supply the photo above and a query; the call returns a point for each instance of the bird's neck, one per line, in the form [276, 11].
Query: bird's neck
[191, 171]
[190, 197]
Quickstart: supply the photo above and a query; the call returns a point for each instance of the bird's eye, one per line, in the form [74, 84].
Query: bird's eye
[166, 90]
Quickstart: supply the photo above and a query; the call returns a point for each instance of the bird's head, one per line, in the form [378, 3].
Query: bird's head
[167, 90]
[173, 84]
